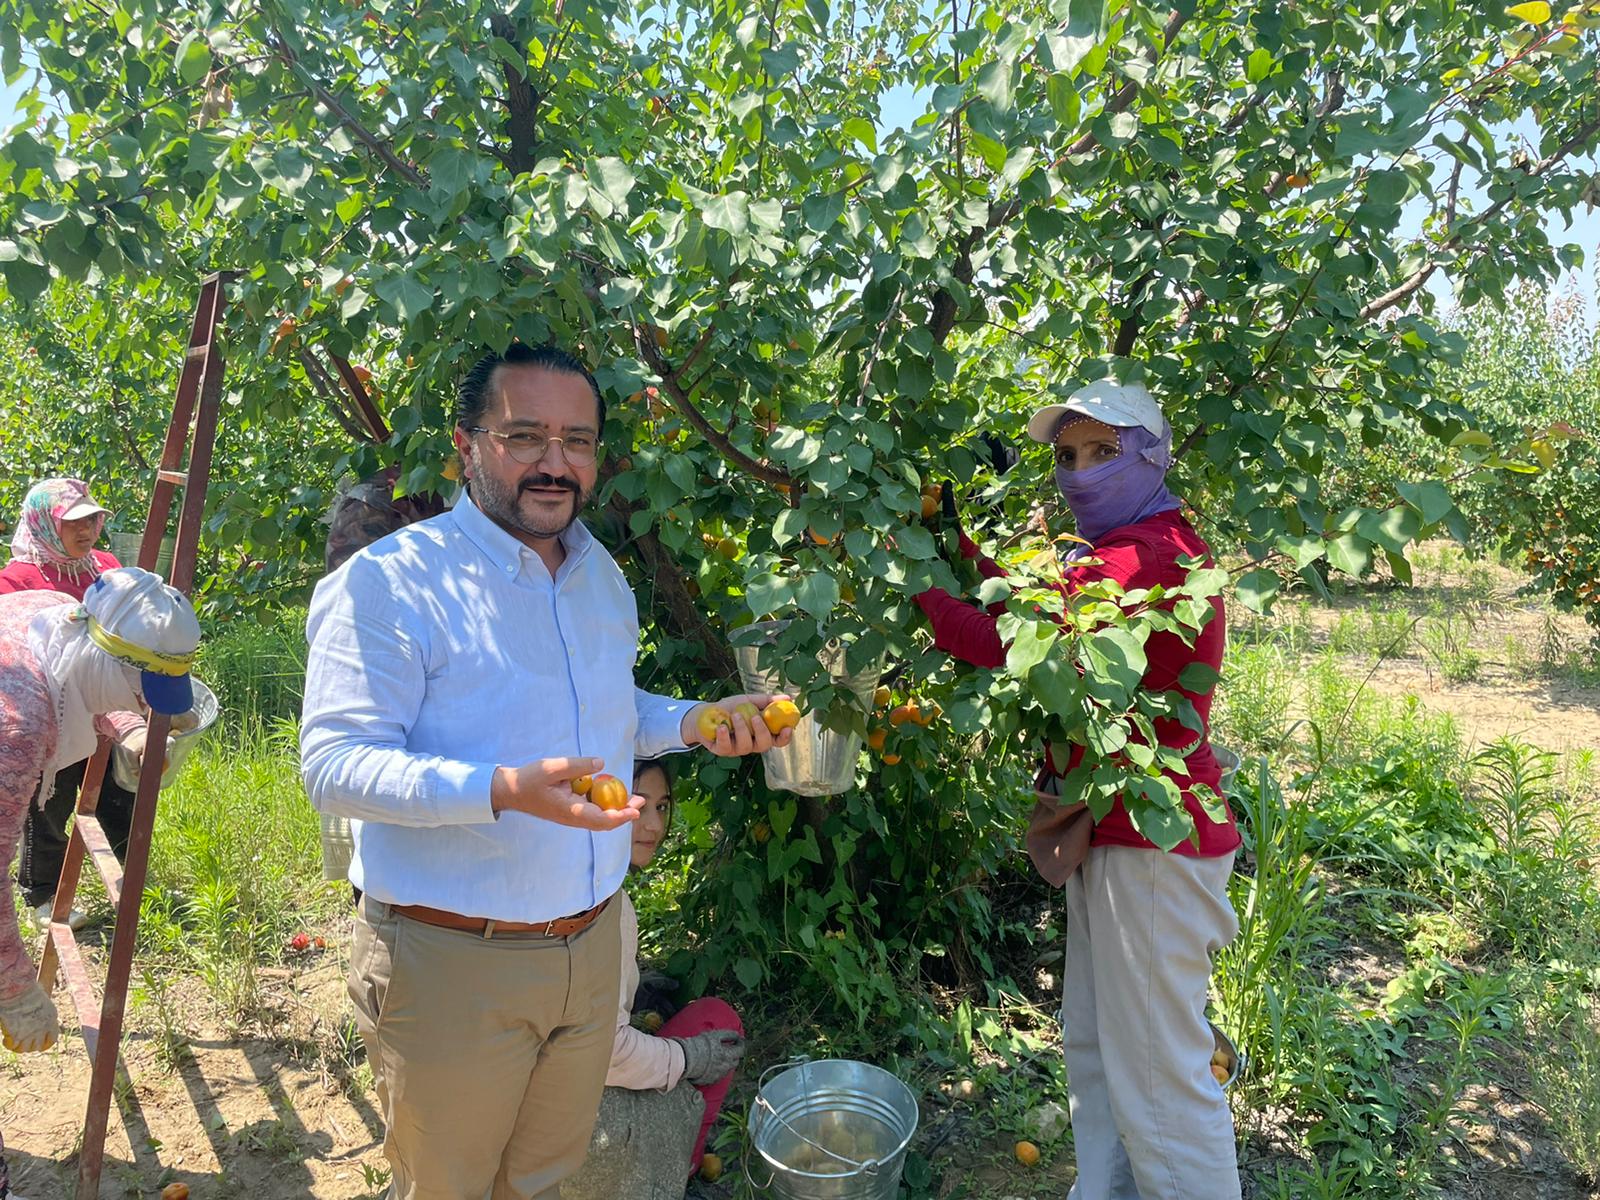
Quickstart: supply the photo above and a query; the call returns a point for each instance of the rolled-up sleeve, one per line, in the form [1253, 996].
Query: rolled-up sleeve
[660, 729]
[366, 677]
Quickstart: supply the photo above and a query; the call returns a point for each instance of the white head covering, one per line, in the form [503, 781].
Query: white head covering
[135, 607]
[1120, 405]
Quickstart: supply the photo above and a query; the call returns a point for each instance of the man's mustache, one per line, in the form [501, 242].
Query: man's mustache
[545, 481]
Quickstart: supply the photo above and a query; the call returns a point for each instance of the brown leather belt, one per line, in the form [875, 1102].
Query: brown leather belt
[485, 927]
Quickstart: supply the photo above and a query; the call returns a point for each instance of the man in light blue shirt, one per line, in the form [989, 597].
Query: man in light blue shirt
[463, 672]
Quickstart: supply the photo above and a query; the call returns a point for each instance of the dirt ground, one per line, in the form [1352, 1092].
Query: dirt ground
[1555, 706]
[230, 1115]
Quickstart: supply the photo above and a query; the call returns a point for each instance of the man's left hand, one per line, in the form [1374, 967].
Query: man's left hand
[741, 734]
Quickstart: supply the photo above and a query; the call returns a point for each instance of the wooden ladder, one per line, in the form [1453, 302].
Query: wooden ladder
[193, 429]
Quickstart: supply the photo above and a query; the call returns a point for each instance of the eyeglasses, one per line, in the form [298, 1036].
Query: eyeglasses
[528, 448]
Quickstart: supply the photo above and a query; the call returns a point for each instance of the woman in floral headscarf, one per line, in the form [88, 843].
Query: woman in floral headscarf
[53, 547]
[53, 550]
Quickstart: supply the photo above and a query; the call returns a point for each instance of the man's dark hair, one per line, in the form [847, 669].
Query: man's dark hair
[473, 397]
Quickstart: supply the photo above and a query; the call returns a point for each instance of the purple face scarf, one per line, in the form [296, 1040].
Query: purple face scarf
[1121, 492]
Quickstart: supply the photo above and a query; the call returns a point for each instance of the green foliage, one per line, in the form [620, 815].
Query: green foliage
[703, 200]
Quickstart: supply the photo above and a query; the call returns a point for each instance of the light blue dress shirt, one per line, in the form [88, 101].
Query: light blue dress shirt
[443, 651]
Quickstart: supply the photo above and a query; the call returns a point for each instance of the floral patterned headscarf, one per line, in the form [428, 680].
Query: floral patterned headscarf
[38, 536]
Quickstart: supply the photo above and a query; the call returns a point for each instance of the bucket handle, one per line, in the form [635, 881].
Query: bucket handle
[869, 1168]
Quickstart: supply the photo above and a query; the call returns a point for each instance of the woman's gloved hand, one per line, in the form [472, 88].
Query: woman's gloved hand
[708, 1056]
[29, 1021]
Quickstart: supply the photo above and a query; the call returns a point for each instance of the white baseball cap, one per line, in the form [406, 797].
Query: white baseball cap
[1122, 405]
[140, 621]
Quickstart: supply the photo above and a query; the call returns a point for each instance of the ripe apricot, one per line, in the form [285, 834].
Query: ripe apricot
[881, 697]
[1027, 1154]
[876, 738]
[931, 496]
[890, 760]
[175, 1191]
[286, 328]
[761, 831]
[903, 713]
[582, 784]
[780, 715]
[728, 548]
[924, 716]
[609, 793]
[711, 1168]
[708, 719]
[1220, 1074]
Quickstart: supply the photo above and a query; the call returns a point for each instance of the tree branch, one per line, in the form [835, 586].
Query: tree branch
[522, 101]
[331, 102]
[644, 341]
[1411, 286]
[1124, 95]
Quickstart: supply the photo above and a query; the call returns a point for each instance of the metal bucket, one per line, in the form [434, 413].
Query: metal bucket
[126, 548]
[1229, 761]
[832, 1130]
[125, 766]
[818, 761]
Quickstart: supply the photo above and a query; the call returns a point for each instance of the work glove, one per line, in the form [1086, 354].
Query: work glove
[28, 1021]
[709, 1056]
[654, 994]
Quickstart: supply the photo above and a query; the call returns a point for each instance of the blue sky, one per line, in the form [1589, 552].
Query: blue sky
[902, 106]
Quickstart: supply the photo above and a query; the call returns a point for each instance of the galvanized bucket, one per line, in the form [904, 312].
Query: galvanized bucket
[818, 761]
[126, 548]
[1229, 761]
[832, 1130]
[125, 766]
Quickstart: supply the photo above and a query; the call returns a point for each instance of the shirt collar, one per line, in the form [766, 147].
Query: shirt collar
[505, 551]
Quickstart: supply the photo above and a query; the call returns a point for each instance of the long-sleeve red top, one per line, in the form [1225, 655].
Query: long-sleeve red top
[1136, 556]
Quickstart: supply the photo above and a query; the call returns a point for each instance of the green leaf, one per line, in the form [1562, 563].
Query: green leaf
[1429, 498]
[613, 179]
[1259, 65]
[729, 213]
[862, 130]
[1350, 554]
[1058, 686]
[994, 84]
[767, 594]
[192, 58]
[1114, 664]
[1199, 677]
[818, 594]
[409, 298]
[748, 971]
[1030, 646]
[1257, 589]
[1393, 529]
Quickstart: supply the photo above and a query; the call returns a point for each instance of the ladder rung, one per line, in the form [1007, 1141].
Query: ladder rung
[178, 477]
[78, 985]
[105, 859]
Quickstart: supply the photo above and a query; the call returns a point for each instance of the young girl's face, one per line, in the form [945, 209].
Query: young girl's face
[651, 783]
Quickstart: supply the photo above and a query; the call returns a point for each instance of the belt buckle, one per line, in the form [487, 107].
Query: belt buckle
[544, 930]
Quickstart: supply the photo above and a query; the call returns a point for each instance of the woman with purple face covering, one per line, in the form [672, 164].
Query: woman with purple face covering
[1149, 1119]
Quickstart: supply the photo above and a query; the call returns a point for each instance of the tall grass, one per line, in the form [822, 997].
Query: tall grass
[1461, 884]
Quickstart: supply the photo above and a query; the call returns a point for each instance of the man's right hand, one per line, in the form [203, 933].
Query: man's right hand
[543, 788]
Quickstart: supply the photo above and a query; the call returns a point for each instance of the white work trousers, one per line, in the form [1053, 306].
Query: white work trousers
[1149, 1121]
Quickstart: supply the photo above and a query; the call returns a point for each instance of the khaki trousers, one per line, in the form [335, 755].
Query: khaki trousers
[490, 1054]
[1148, 1120]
